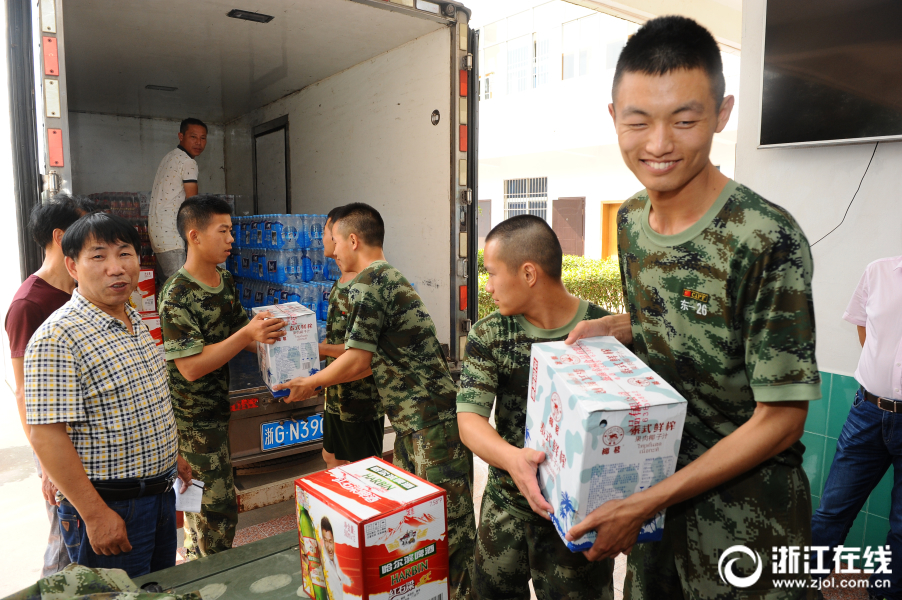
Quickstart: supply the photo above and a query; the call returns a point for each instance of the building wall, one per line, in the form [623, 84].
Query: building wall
[560, 128]
[121, 154]
[816, 185]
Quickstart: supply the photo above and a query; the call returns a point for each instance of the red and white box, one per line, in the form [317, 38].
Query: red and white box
[369, 530]
[144, 298]
[152, 320]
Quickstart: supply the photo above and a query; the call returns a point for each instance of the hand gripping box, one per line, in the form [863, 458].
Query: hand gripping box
[608, 425]
[296, 354]
[370, 530]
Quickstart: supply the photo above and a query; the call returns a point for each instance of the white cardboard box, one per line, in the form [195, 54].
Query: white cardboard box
[371, 531]
[144, 298]
[296, 354]
[608, 425]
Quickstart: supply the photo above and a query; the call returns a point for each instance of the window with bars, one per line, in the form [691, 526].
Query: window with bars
[526, 197]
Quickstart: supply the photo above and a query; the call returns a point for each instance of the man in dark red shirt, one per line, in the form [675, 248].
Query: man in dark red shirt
[37, 298]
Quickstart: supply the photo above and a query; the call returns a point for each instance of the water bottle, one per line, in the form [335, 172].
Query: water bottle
[322, 301]
[321, 331]
[308, 296]
[316, 230]
[334, 271]
[259, 294]
[289, 231]
[236, 231]
[317, 264]
[246, 229]
[247, 295]
[292, 265]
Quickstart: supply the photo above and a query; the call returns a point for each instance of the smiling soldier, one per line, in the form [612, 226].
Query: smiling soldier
[717, 281]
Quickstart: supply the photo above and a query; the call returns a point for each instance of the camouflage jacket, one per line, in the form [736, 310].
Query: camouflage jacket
[722, 311]
[355, 401]
[82, 583]
[389, 319]
[193, 315]
[496, 372]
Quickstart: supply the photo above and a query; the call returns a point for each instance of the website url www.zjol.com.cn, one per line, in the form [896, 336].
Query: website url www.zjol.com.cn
[812, 565]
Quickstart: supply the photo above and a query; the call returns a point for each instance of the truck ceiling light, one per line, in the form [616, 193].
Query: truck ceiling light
[247, 15]
[161, 88]
[429, 7]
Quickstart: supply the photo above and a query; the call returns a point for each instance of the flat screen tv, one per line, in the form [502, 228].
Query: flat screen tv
[832, 72]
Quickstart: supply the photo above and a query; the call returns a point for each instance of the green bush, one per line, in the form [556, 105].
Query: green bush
[597, 281]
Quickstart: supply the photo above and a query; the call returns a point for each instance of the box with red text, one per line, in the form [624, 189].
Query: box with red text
[369, 530]
[609, 427]
[144, 298]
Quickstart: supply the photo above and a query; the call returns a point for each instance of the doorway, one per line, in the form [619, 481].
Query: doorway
[272, 171]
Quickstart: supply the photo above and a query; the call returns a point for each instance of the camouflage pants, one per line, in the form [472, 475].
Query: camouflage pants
[437, 455]
[213, 528]
[76, 581]
[510, 551]
[770, 506]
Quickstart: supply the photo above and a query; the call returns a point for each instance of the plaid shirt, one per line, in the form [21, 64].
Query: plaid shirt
[83, 368]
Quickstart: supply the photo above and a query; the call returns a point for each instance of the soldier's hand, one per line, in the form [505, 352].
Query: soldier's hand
[615, 325]
[265, 329]
[617, 523]
[524, 473]
[185, 474]
[107, 534]
[300, 388]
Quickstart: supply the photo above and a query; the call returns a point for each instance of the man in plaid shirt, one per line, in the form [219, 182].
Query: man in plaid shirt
[97, 401]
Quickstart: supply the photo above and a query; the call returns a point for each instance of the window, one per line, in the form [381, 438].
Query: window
[519, 59]
[542, 63]
[526, 197]
[579, 42]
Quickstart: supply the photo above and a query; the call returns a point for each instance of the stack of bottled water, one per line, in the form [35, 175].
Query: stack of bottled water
[279, 258]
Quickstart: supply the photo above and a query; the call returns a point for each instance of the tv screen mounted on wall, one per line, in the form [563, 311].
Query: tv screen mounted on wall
[832, 72]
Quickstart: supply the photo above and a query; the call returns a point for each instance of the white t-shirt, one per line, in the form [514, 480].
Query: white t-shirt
[177, 169]
[335, 578]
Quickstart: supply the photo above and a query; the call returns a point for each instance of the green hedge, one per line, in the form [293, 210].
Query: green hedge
[597, 281]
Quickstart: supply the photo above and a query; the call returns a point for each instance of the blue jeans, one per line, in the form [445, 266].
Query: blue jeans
[869, 443]
[150, 523]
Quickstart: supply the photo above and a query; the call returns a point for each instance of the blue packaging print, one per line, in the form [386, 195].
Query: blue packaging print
[296, 354]
[609, 427]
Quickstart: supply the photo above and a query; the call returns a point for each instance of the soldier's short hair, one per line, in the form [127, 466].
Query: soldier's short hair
[196, 212]
[527, 238]
[333, 214]
[101, 227]
[363, 220]
[668, 44]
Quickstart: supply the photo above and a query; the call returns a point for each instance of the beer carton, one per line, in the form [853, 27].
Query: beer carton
[608, 425]
[294, 355]
[152, 320]
[369, 530]
[144, 298]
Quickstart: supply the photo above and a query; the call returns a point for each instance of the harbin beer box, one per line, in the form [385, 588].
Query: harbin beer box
[370, 530]
[296, 354]
[608, 425]
[144, 298]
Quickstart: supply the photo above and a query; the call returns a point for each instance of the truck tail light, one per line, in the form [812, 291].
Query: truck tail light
[464, 78]
[463, 138]
[462, 297]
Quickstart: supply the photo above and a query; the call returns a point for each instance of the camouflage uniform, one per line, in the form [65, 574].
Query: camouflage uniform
[356, 403]
[193, 315]
[82, 583]
[723, 312]
[389, 319]
[515, 544]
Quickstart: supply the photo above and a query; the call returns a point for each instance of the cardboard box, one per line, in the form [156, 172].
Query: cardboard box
[152, 320]
[608, 425]
[388, 538]
[296, 354]
[144, 298]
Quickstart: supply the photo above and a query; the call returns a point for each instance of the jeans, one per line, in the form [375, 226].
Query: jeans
[150, 523]
[55, 556]
[868, 445]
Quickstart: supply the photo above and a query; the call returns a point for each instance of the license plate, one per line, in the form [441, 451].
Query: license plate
[279, 434]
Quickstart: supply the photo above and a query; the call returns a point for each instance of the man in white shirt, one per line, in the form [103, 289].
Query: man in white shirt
[871, 439]
[335, 578]
[175, 181]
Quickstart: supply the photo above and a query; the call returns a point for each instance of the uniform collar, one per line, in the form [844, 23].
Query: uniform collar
[179, 147]
[108, 321]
